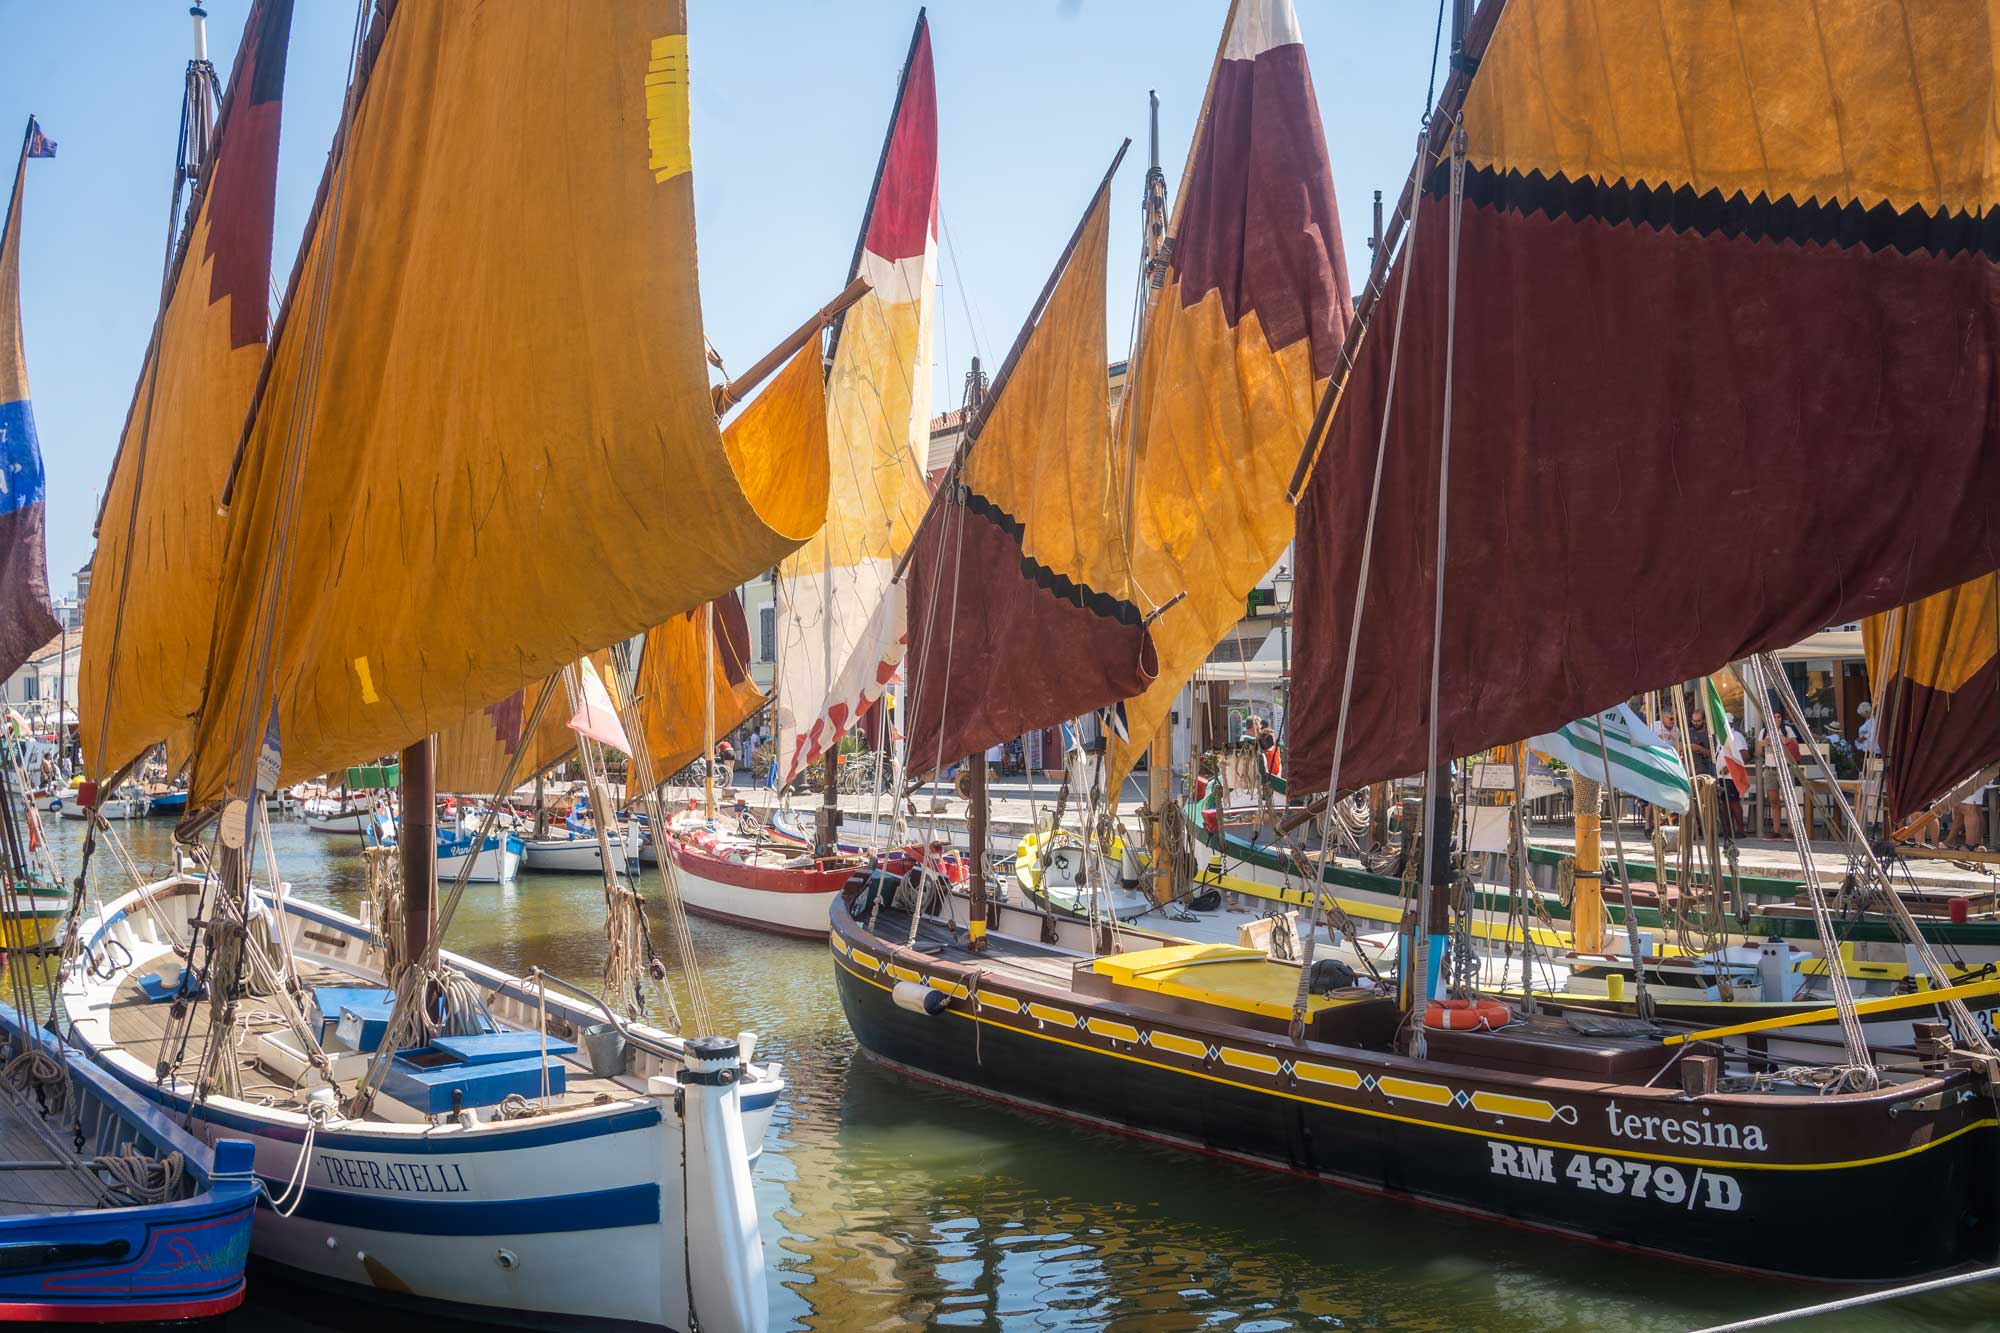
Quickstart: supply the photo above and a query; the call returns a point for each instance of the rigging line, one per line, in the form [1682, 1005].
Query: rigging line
[1430, 84]
[975, 329]
[1360, 603]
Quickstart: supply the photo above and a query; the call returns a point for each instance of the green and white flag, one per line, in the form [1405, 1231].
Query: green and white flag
[1642, 765]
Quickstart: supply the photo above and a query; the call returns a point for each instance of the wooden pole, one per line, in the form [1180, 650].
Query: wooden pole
[728, 395]
[977, 809]
[1586, 912]
[708, 703]
[417, 841]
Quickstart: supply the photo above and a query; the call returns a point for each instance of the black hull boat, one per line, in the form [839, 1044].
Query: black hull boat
[1539, 1125]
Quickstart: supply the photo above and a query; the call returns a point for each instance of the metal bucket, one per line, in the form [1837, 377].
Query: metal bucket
[605, 1045]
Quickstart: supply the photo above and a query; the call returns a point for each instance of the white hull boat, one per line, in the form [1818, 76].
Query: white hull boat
[571, 856]
[118, 807]
[340, 819]
[623, 1200]
[497, 862]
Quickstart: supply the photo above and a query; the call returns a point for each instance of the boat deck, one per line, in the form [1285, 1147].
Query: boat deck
[1606, 1052]
[142, 1028]
[55, 1180]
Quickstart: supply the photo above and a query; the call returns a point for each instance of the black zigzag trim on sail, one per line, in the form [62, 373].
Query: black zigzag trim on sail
[1102, 605]
[1682, 209]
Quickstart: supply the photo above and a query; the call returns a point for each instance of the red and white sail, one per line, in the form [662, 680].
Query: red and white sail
[842, 622]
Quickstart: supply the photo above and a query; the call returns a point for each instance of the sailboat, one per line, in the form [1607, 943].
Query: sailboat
[841, 616]
[488, 370]
[1532, 226]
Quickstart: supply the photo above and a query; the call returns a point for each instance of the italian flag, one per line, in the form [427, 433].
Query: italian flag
[1727, 748]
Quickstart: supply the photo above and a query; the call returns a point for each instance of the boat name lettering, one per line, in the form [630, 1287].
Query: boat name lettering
[359, 1173]
[1670, 1185]
[1688, 1133]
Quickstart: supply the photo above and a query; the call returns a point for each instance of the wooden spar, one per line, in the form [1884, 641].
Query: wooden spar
[875, 186]
[416, 841]
[708, 704]
[1586, 913]
[1465, 62]
[978, 803]
[976, 416]
[1878, 1005]
[1152, 257]
[728, 395]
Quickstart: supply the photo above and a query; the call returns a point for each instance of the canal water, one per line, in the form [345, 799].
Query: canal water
[887, 1205]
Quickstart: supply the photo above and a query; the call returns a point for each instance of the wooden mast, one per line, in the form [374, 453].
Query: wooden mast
[1153, 253]
[416, 841]
[708, 703]
[978, 803]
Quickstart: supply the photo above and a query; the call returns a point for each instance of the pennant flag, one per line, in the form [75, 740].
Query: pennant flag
[1935, 667]
[27, 621]
[1642, 765]
[1724, 740]
[39, 144]
[596, 715]
[1238, 343]
[842, 622]
[1703, 305]
[160, 535]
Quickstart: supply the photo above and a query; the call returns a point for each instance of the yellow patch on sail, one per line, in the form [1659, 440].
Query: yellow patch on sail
[667, 108]
[368, 695]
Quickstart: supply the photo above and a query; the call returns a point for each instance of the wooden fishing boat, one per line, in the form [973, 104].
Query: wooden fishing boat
[781, 890]
[118, 1214]
[1538, 1125]
[504, 1177]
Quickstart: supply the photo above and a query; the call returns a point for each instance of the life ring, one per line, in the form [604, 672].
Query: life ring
[1467, 1015]
[961, 785]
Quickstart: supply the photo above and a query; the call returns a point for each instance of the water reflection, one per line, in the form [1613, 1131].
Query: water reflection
[890, 1205]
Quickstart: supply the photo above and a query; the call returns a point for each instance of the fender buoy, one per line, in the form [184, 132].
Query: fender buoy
[1467, 1015]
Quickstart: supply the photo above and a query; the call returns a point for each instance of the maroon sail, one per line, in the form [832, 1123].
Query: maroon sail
[1725, 359]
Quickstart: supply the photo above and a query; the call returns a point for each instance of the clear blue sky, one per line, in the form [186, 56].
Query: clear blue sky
[790, 101]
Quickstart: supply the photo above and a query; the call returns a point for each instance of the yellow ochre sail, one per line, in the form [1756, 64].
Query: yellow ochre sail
[1237, 345]
[160, 538]
[485, 444]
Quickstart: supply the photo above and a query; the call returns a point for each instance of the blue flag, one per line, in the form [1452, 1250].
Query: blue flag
[39, 144]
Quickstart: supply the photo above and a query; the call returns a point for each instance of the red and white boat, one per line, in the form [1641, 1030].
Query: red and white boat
[760, 887]
[770, 886]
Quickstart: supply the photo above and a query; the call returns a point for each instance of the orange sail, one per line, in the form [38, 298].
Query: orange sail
[671, 676]
[160, 538]
[1935, 665]
[484, 444]
[1238, 344]
[1020, 615]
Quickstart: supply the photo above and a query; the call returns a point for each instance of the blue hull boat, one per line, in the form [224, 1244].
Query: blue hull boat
[117, 1214]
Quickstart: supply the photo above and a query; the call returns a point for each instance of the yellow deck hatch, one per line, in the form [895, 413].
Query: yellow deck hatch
[1225, 975]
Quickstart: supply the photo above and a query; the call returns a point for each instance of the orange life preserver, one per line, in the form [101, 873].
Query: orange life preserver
[1467, 1015]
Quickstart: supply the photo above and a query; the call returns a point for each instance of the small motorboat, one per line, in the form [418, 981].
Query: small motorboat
[497, 861]
[327, 815]
[115, 1213]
